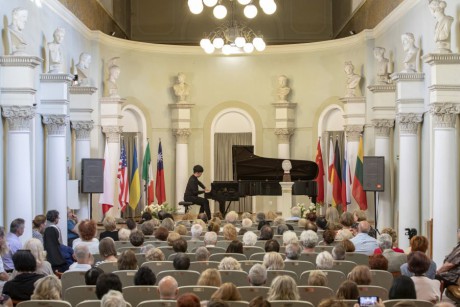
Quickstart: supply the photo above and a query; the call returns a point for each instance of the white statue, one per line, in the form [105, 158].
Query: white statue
[412, 56]
[352, 81]
[55, 53]
[16, 39]
[383, 66]
[181, 89]
[283, 90]
[83, 69]
[443, 25]
[110, 85]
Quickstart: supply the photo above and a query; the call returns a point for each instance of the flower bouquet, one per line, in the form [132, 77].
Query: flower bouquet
[154, 209]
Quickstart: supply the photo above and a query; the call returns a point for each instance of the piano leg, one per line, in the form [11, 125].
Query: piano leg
[222, 207]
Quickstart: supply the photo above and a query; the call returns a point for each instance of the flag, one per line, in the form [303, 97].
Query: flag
[320, 178]
[106, 199]
[336, 178]
[358, 193]
[147, 175]
[329, 171]
[346, 180]
[135, 186]
[160, 180]
[123, 183]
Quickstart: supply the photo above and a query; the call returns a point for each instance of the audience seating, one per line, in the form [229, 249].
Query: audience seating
[108, 267]
[261, 243]
[140, 257]
[136, 294]
[158, 266]
[334, 279]
[157, 243]
[290, 304]
[97, 258]
[44, 303]
[310, 257]
[359, 259]
[324, 248]
[135, 249]
[299, 266]
[238, 278]
[203, 292]
[184, 278]
[72, 279]
[246, 265]
[349, 303]
[192, 256]
[220, 256]
[373, 291]
[126, 277]
[260, 256]
[157, 303]
[272, 274]
[167, 250]
[250, 292]
[250, 250]
[314, 294]
[223, 244]
[77, 294]
[120, 244]
[382, 279]
[89, 303]
[193, 245]
[201, 266]
[237, 303]
[343, 266]
[418, 303]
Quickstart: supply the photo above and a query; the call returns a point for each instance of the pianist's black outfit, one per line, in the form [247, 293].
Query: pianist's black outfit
[191, 195]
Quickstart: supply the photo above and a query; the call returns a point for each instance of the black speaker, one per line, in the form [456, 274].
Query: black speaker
[374, 174]
[92, 175]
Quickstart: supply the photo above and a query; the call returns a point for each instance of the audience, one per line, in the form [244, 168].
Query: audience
[293, 251]
[229, 263]
[317, 278]
[110, 227]
[91, 276]
[394, 240]
[172, 237]
[363, 242]
[266, 233]
[127, 260]
[87, 230]
[38, 227]
[426, 289]
[136, 238]
[419, 243]
[324, 261]
[106, 282]
[148, 228]
[132, 225]
[202, 254]
[188, 299]
[360, 275]
[179, 245]
[259, 301]
[249, 238]
[308, 239]
[210, 239]
[168, 223]
[229, 232]
[161, 234]
[338, 252]
[107, 250]
[289, 237]
[257, 275]
[123, 234]
[36, 248]
[181, 262]
[378, 262]
[348, 245]
[155, 254]
[226, 292]
[84, 259]
[348, 290]
[235, 247]
[395, 260]
[272, 246]
[47, 288]
[145, 277]
[273, 261]
[403, 287]
[113, 298]
[13, 242]
[210, 277]
[283, 287]
[168, 288]
[196, 231]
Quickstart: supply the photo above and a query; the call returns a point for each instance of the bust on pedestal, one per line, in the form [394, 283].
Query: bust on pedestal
[283, 90]
[443, 25]
[110, 85]
[412, 53]
[383, 66]
[181, 89]
[55, 53]
[83, 69]
[17, 43]
[352, 81]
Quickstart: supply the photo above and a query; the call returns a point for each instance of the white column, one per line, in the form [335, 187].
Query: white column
[284, 135]
[56, 168]
[18, 167]
[82, 151]
[112, 134]
[383, 149]
[409, 174]
[182, 170]
[284, 202]
[445, 202]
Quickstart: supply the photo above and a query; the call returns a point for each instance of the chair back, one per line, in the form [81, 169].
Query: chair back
[72, 279]
[272, 274]
[290, 304]
[249, 292]
[373, 291]
[192, 256]
[260, 243]
[136, 294]
[257, 256]
[167, 250]
[184, 278]
[140, 257]
[108, 267]
[120, 244]
[238, 278]
[299, 266]
[359, 259]
[314, 294]
[249, 250]
[203, 292]
[216, 249]
[382, 279]
[418, 303]
[237, 303]
[135, 249]
[158, 303]
[246, 265]
[157, 243]
[349, 303]
[223, 244]
[89, 303]
[324, 248]
[343, 266]
[193, 245]
[44, 303]
[158, 266]
[126, 277]
[220, 256]
[334, 279]
[310, 257]
[77, 294]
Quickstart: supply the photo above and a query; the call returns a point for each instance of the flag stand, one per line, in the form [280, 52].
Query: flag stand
[376, 200]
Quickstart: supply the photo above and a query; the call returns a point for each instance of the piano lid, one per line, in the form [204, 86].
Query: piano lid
[248, 166]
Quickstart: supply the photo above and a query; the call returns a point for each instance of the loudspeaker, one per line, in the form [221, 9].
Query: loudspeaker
[92, 175]
[374, 174]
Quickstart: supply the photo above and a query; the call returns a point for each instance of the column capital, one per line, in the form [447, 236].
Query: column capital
[444, 114]
[383, 126]
[82, 128]
[284, 134]
[55, 123]
[409, 123]
[182, 135]
[112, 133]
[353, 132]
[18, 117]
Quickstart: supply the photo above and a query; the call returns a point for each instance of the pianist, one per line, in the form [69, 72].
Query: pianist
[192, 192]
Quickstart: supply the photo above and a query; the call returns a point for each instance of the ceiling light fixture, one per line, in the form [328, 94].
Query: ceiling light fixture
[220, 11]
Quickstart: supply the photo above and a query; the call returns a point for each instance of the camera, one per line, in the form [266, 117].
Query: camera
[411, 232]
[368, 300]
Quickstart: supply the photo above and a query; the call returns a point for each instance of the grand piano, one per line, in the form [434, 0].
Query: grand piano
[254, 175]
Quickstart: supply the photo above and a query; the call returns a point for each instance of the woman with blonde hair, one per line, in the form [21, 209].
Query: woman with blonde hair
[107, 250]
[229, 263]
[210, 277]
[332, 217]
[154, 254]
[168, 223]
[283, 287]
[110, 227]
[47, 288]
[227, 292]
[37, 250]
[127, 260]
[317, 278]
[229, 232]
[361, 275]
[273, 261]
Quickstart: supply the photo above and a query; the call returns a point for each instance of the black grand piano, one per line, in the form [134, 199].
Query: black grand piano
[254, 175]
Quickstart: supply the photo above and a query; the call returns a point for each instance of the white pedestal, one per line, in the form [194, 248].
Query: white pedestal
[284, 126]
[355, 110]
[383, 106]
[284, 202]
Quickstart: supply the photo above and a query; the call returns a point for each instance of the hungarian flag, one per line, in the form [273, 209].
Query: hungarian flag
[160, 180]
[336, 178]
[123, 183]
[320, 178]
[358, 193]
[106, 198]
[135, 186]
[346, 180]
[147, 175]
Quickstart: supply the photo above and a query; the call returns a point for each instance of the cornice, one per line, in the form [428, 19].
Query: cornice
[441, 58]
[286, 105]
[17, 60]
[181, 105]
[360, 99]
[379, 88]
[107, 100]
[406, 76]
[18, 90]
[444, 87]
[56, 78]
[82, 90]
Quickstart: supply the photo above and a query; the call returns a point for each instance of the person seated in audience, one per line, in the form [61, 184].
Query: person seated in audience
[36, 248]
[110, 227]
[179, 245]
[426, 289]
[87, 230]
[180, 229]
[290, 237]
[188, 299]
[231, 217]
[47, 288]
[246, 215]
[216, 220]
[281, 229]
[145, 217]
[273, 261]
[189, 216]
[330, 302]
[348, 245]
[324, 261]
[229, 263]
[210, 239]
[317, 278]
[321, 222]
[84, 259]
[395, 260]
[113, 299]
[403, 287]
[259, 301]
[328, 238]
[147, 228]
[161, 234]
[257, 275]
[361, 275]
[123, 234]
[107, 250]
[266, 233]
[419, 243]
[279, 220]
[202, 216]
[145, 277]
[338, 252]
[283, 287]
[172, 236]
[242, 231]
[378, 262]
[394, 240]
[181, 262]
[308, 239]
[311, 226]
[196, 231]
[210, 277]
[127, 260]
[261, 220]
[52, 244]
[444, 304]
[91, 276]
[293, 251]
[302, 223]
[155, 254]
[363, 242]
[272, 246]
[168, 223]
[249, 238]
[348, 290]
[202, 254]
[332, 217]
[227, 292]
[136, 238]
[214, 227]
[295, 214]
[168, 288]
[131, 224]
[246, 223]
[21, 286]
[235, 247]
[346, 220]
[229, 232]
[344, 234]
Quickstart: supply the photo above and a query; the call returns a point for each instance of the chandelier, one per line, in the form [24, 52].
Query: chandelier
[220, 11]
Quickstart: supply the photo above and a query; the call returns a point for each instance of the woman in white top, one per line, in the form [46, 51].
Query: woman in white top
[87, 230]
[36, 248]
[427, 289]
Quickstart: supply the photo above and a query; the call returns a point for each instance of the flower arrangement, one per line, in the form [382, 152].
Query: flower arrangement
[301, 206]
[311, 209]
[153, 209]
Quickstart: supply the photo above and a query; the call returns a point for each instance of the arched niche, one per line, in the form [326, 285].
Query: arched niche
[331, 119]
[134, 121]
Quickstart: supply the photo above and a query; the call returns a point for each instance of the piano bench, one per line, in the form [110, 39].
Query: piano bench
[186, 205]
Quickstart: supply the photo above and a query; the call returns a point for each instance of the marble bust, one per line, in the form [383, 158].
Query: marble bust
[83, 69]
[17, 43]
[110, 85]
[283, 90]
[412, 53]
[55, 53]
[383, 66]
[181, 89]
[352, 81]
[443, 25]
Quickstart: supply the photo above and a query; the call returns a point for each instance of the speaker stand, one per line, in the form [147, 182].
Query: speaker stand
[90, 206]
[376, 200]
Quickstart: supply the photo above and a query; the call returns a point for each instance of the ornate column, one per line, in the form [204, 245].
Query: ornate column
[284, 126]
[284, 136]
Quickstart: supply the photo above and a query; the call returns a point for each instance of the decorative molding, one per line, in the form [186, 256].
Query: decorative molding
[381, 88]
[181, 105]
[360, 99]
[382, 126]
[409, 123]
[82, 128]
[56, 78]
[353, 132]
[82, 90]
[441, 58]
[409, 101]
[444, 87]
[407, 76]
[444, 114]
[182, 135]
[112, 133]
[285, 105]
[110, 100]
[284, 134]
[18, 117]
[55, 124]
[16, 60]
[18, 90]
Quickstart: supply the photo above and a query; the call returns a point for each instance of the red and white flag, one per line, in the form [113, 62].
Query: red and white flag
[106, 198]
